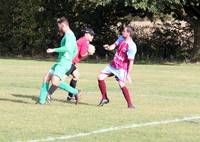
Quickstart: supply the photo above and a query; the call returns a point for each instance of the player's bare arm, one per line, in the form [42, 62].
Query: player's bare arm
[109, 47]
[49, 50]
[130, 67]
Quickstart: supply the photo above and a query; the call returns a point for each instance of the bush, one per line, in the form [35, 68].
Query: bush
[169, 41]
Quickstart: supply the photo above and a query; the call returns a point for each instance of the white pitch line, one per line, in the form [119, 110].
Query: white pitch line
[130, 126]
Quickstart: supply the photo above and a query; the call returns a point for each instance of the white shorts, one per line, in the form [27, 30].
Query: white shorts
[120, 74]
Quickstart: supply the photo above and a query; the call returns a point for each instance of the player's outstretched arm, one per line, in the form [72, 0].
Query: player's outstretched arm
[58, 50]
[49, 50]
[65, 48]
[109, 47]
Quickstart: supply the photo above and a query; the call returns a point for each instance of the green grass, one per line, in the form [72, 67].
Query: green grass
[160, 92]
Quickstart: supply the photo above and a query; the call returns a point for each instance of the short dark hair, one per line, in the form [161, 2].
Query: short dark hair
[63, 20]
[129, 29]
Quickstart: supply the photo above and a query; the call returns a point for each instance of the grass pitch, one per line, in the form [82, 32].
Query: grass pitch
[160, 92]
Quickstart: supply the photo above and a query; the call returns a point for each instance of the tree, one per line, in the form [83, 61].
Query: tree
[188, 10]
[28, 27]
[18, 27]
[101, 15]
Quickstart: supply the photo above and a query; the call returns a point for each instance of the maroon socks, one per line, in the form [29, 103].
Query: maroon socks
[127, 96]
[102, 87]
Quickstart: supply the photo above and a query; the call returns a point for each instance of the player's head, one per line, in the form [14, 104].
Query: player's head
[89, 34]
[127, 32]
[63, 24]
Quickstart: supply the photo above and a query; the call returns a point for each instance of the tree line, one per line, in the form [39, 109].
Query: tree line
[28, 27]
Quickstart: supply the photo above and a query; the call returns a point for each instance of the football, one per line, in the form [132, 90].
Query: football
[91, 49]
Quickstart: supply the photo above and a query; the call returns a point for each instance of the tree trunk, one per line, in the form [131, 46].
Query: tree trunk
[196, 47]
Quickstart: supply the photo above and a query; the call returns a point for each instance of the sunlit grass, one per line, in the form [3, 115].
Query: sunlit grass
[159, 92]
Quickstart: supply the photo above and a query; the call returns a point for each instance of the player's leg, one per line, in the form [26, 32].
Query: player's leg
[71, 90]
[57, 81]
[126, 94]
[109, 71]
[121, 76]
[102, 87]
[44, 88]
[58, 76]
[73, 82]
[51, 90]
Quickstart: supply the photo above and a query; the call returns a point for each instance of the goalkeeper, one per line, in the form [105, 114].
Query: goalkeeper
[84, 50]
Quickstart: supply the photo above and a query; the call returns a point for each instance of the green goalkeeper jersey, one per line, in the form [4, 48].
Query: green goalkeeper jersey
[68, 48]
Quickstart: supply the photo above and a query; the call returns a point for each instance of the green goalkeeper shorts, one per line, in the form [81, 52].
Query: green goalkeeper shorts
[59, 69]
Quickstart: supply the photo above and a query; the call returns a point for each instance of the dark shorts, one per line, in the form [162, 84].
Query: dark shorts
[72, 69]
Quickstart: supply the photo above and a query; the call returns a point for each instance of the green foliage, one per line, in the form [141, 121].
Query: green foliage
[19, 27]
[28, 28]
[188, 10]
[168, 41]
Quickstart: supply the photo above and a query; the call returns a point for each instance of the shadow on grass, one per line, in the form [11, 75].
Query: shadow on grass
[73, 102]
[20, 101]
[14, 101]
[35, 99]
[81, 103]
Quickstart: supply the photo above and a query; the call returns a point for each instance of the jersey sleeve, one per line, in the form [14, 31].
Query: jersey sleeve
[121, 38]
[131, 52]
[65, 47]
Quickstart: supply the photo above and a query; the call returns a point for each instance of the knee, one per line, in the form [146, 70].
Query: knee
[121, 84]
[65, 77]
[55, 81]
[99, 77]
[76, 76]
[102, 76]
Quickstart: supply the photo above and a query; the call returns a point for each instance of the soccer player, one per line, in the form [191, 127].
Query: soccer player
[120, 67]
[84, 49]
[84, 45]
[67, 51]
